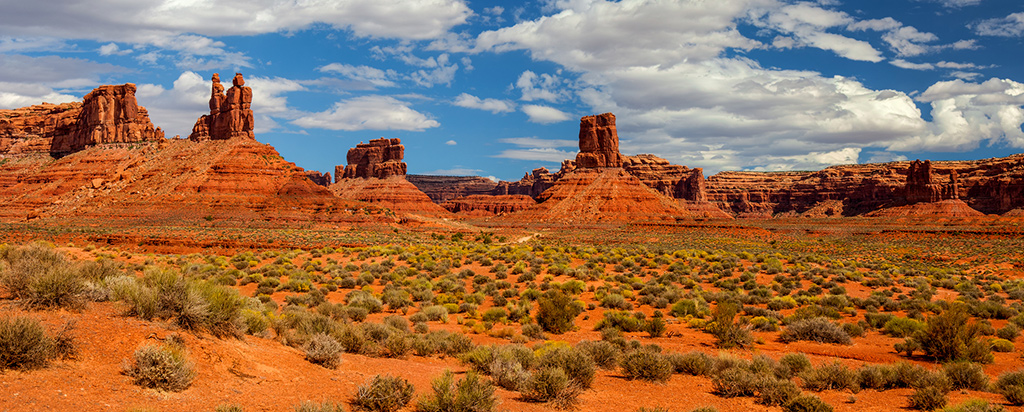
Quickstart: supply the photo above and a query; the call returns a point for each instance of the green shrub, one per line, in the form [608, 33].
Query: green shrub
[807, 403]
[974, 405]
[689, 307]
[875, 376]
[646, 365]
[776, 392]
[965, 375]
[1001, 345]
[470, 394]
[818, 329]
[902, 327]
[237, 408]
[693, 363]
[325, 406]
[734, 381]
[24, 344]
[322, 349]
[833, 376]
[383, 393]
[952, 336]
[604, 354]
[727, 333]
[165, 367]
[1011, 386]
[551, 385]
[533, 331]
[556, 311]
[1009, 332]
[656, 327]
[928, 398]
[509, 373]
[794, 363]
[577, 364]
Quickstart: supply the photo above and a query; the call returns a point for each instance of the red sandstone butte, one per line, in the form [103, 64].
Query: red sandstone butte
[107, 115]
[230, 114]
[599, 142]
[381, 158]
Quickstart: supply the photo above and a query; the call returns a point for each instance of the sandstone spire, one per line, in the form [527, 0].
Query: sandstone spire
[230, 114]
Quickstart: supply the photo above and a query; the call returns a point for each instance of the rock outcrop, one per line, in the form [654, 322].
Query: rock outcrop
[489, 205]
[319, 179]
[392, 192]
[532, 184]
[107, 115]
[230, 114]
[599, 142]
[441, 189]
[381, 158]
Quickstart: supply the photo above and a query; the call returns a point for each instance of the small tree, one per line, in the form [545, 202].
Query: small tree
[556, 311]
[725, 330]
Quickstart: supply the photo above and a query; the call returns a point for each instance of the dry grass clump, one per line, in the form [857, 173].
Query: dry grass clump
[165, 367]
[470, 394]
[383, 393]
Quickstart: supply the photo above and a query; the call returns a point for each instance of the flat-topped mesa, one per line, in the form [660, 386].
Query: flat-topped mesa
[381, 158]
[599, 142]
[108, 114]
[230, 114]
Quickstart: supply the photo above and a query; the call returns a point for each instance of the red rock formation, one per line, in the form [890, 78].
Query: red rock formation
[230, 114]
[392, 192]
[599, 142]
[954, 208]
[608, 195]
[532, 184]
[489, 205]
[381, 158]
[319, 179]
[173, 182]
[919, 187]
[107, 115]
[441, 189]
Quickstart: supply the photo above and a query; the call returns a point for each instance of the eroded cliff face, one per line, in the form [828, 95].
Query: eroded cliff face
[441, 189]
[381, 158]
[599, 142]
[489, 205]
[230, 113]
[107, 115]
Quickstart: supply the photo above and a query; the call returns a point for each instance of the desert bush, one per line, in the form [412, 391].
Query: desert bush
[351, 338]
[832, 376]
[693, 363]
[646, 365]
[165, 367]
[24, 344]
[325, 406]
[965, 375]
[324, 350]
[974, 405]
[470, 394]
[875, 376]
[818, 329]
[42, 277]
[397, 345]
[794, 364]
[902, 327]
[556, 311]
[577, 364]
[1009, 332]
[237, 408]
[807, 403]
[734, 381]
[604, 354]
[928, 398]
[1011, 386]
[383, 393]
[533, 331]
[1001, 345]
[727, 333]
[951, 335]
[551, 385]
[776, 392]
[509, 373]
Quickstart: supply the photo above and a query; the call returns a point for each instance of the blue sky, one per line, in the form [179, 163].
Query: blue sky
[496, 88]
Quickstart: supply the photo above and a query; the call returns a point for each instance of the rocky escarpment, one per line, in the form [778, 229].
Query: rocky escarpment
[441, 189]
[381, 158]
[107, 115]
[319, 179]
[489, 205]
[992, 186]
[230, 114]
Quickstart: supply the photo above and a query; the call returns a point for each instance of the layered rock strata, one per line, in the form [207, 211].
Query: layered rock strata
[230, 115]
[107, 115]
[489, 205]
[381, 158]
[441, 189]
[599, 142]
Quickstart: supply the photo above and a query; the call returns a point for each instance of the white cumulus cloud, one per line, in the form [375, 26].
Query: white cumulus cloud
[368, 113]
[544, 114]
[492, 105]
